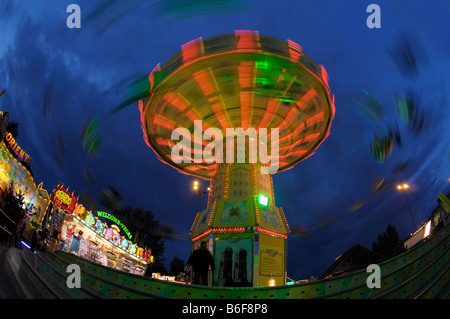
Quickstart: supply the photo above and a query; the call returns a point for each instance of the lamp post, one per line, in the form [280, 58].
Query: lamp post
[197, 188]
[402, 188]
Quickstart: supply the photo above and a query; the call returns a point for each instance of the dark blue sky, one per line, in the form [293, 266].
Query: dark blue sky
[86, 69]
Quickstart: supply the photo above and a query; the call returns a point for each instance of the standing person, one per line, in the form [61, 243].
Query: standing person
[34, 240]
[76, 241]
[200, 260]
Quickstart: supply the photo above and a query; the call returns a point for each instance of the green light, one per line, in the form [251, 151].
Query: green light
[290, 283]
[263, 200]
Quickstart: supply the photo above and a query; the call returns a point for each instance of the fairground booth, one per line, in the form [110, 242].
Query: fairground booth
[97, 236]
[15, 173]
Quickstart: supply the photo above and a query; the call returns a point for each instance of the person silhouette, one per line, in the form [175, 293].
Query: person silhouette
[200, 260]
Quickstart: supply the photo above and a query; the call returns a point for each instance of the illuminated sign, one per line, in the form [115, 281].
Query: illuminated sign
[63, 199]
[17, 150]
[116, 221]
[35, 225]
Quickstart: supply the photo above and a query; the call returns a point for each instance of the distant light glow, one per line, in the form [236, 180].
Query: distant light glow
[402, 186]
[263, 200]
[427, 229]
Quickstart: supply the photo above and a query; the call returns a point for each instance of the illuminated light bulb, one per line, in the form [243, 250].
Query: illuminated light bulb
[272, 282]
[427, 229]
[263, 200]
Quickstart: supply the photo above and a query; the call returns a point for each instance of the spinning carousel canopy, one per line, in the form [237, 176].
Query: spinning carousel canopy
[242, 80]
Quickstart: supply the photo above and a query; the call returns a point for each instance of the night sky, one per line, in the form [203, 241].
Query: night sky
[57, 79]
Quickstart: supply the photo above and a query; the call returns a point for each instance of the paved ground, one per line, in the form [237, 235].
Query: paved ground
[7, 290]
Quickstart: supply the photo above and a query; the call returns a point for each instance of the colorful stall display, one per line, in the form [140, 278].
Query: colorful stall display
[89, 237]
[63, 199]
[86, 241]
[14, 173]
[64, 202]
[55, 219]
[40, 207]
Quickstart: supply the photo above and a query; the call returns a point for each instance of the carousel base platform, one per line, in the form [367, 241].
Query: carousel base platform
[421, 272]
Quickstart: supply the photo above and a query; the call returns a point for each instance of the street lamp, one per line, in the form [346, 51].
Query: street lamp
[402, 188]
[197, 188]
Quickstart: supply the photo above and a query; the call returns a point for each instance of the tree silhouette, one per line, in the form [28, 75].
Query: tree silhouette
[13, 128]
[143, 227]
[176, 266]
[13, 205]
[387, 242]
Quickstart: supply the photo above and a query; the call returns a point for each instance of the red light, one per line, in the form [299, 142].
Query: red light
[289, 118]
[247, 39]
[315, 118]
[247, 73]
[306, 98]
[192, 49]
[324, 74]
[311, 137]
[207, 81]
[162, 121]
[177, 100]
[162, 141]
[295, 50]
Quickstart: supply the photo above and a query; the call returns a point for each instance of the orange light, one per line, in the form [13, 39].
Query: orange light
[192, 49]
[272, 282]
[427, 229]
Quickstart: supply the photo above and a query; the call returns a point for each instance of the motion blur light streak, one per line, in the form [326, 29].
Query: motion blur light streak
[103, 70]
[91, 138]
[373, 108]
[408, 54]
[25, 244]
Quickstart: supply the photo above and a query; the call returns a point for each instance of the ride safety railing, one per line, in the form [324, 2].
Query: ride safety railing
[6, 228]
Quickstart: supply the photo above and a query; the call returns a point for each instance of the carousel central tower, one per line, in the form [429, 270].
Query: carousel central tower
[250, 82]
